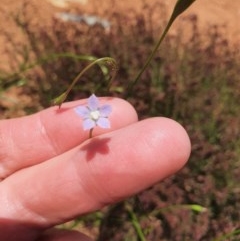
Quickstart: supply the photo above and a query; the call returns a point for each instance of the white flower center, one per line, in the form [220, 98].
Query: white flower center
[95, 115]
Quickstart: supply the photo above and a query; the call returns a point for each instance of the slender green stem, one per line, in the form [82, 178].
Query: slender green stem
[149, 59]
[135, 223]
[180, 7]
[59, 100]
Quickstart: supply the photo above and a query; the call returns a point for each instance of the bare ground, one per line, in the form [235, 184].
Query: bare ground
[222, 12]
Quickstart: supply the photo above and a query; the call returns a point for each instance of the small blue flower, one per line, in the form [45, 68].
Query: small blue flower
[93, 114]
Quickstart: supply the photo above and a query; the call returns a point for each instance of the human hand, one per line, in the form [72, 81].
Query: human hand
[51, 172]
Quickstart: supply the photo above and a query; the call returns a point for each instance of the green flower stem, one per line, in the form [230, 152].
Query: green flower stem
[60, 99]
[135, 223]
[180, 7]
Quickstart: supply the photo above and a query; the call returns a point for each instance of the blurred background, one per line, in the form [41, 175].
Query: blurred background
[193, 78]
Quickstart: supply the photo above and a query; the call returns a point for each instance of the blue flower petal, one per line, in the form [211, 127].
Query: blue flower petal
[82, 111]
[93, 102]
[93, 114]
[103, 122]
[88, 124]
[105, 110]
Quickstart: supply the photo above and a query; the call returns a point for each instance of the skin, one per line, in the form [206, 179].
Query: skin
[52, 172]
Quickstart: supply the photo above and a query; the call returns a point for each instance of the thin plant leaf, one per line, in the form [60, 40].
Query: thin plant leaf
[197, 208]
[228, 235]
[106, 60]
[135, 222]
[179, 8]
[192, 207]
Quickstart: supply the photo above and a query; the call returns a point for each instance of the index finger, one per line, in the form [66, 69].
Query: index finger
[33, 139]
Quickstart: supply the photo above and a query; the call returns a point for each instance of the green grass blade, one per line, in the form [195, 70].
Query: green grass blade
[228, 235]
[179, 8]
[135, 222]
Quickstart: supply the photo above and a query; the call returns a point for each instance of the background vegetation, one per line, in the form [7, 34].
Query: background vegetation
[193, 79]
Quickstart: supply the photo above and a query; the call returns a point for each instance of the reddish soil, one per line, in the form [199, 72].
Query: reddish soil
[220, 12]
[208, 12]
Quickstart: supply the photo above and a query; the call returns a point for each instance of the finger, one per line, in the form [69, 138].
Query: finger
[63, 235]
[30, 140]
[102, 170]
[11, 230]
